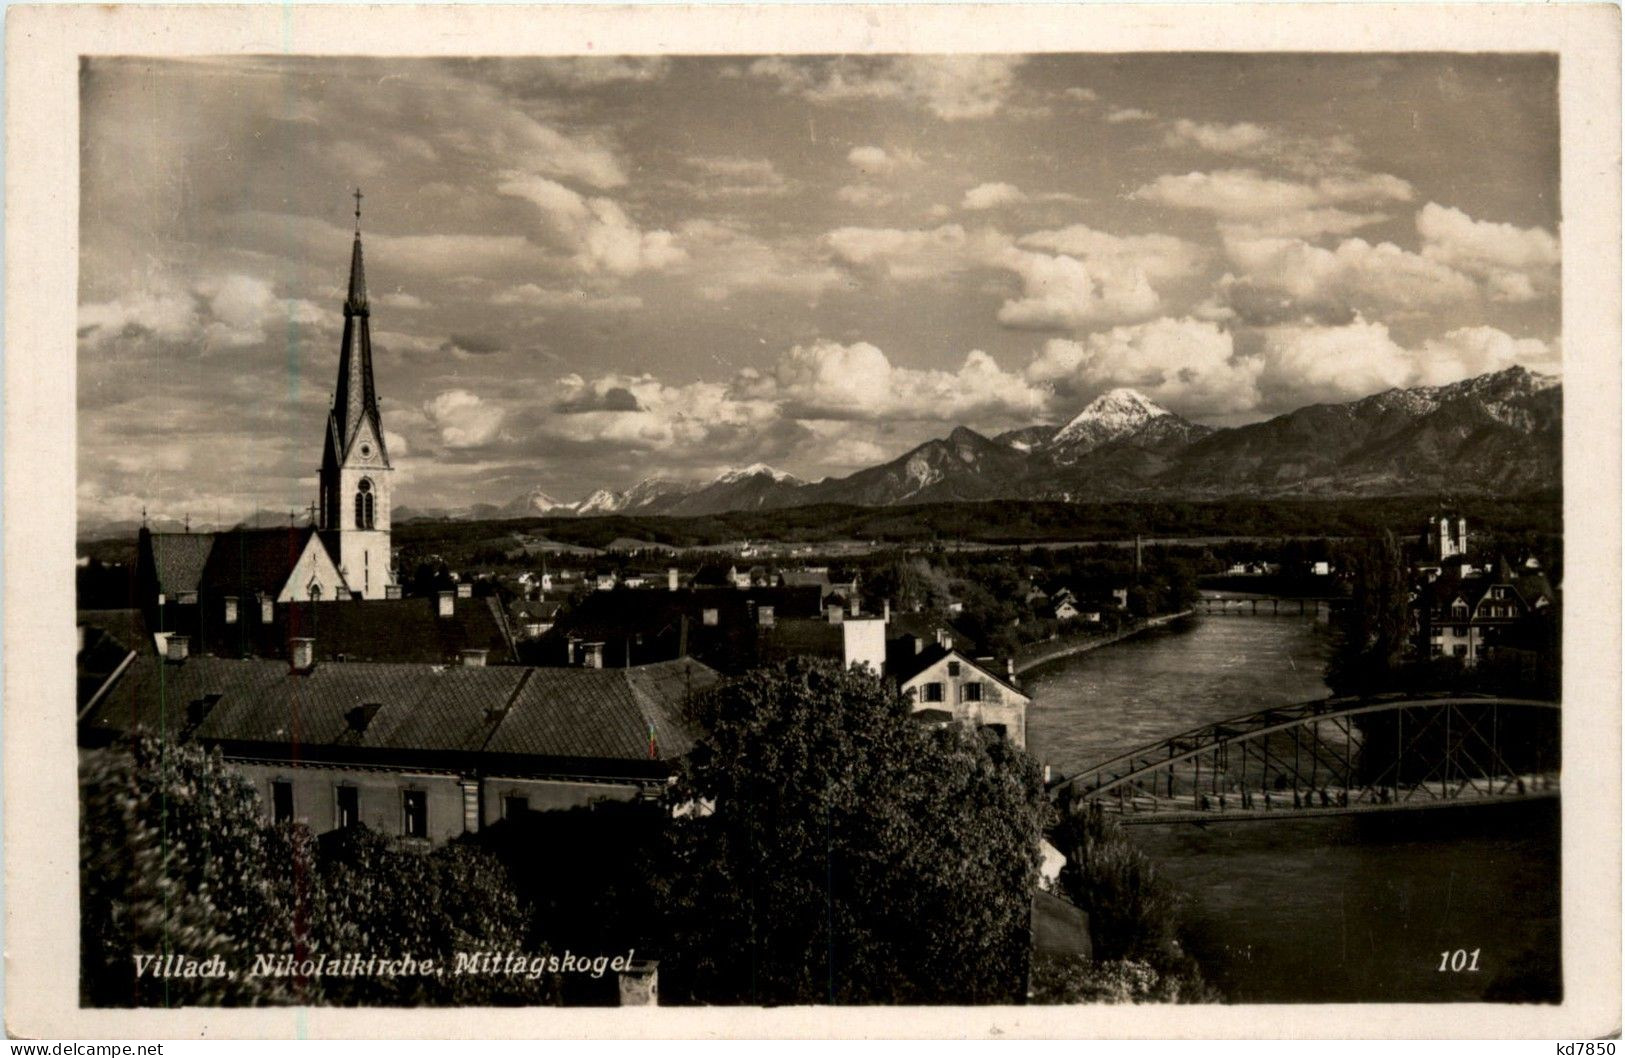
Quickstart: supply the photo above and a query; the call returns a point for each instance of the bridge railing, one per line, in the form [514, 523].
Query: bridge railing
[1337, 753]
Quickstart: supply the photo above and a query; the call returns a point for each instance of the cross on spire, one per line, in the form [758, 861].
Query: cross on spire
[357, 194]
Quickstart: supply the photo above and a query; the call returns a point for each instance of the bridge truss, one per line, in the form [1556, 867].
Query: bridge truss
[1333, 756]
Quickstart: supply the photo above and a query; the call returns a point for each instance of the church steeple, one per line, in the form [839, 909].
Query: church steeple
[355, 474]
[355, 401]
[356, 303]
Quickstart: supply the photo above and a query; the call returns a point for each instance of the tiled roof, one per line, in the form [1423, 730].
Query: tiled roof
[178, 560]
[907, 668]
[384, 630]
[811, 637]
[604, 714]
[250, 561]
[408, 711]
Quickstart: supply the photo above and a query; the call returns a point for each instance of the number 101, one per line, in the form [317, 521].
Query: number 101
[1459, 961]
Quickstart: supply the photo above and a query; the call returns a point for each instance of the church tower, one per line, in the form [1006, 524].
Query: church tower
[355, 475]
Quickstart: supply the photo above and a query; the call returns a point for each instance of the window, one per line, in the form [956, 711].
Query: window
[953, 668]
[998, 729]
[515, 806]
[349, 806]
[972, 691]
[281, 802]
[363, 505]
[415, 813]
[708, 618]
[931, 692]
[1459, 631]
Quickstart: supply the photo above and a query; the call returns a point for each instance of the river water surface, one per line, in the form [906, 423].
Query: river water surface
[1338, 909]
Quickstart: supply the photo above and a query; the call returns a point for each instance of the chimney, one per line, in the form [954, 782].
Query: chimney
[919, 644]
[1010, 671]
[267, 609]
[885, 611]
[176, 648]
[857, 605]
[671, 579]
[835, 613]
[392, 591]
[944, 640]
[447, 605]
[473, 657]
[302, 653]
[465, 590]
[592, 656]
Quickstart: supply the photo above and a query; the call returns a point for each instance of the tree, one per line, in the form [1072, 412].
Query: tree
[176, 858]
[853, 855]
[1373, 630]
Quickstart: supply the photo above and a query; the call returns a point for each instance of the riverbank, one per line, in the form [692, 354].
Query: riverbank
[1036, 654]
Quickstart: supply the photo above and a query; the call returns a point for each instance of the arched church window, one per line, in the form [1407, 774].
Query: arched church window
[364, 505]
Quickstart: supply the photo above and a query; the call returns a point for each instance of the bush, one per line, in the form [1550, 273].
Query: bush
[1134, 913]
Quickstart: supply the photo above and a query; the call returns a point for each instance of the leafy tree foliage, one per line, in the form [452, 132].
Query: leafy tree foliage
[852, 855]
[1373, 631]
[176, 858]
[1134, 916]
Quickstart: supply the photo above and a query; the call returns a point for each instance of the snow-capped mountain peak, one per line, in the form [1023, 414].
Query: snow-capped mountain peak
[755, 470]
[1112, 414]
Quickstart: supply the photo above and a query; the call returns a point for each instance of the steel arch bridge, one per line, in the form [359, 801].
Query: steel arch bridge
[1332, 756]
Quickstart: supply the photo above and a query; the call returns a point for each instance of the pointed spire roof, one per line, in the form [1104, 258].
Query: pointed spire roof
[354, 399]
[355, 303]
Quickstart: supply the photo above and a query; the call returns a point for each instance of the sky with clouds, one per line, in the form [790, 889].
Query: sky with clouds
[589, 271]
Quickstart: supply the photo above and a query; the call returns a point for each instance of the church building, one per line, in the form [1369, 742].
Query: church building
[345, 554]
[248, 592]
[353, 508]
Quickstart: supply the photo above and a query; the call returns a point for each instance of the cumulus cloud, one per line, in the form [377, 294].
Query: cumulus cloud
[597, 230]
[1100, 278]
[992, 196]
[1081, 94]
[1241, 138]
[641, 412]
[1516, 264]
[1304, 363]
[1189, 366]
[953, 87]
[1122, 115]
[231, 311]
[829, 380]
[1469, 351]
[1356, 276]
[877, 161]
[1061, 292]
[1246, 202]
[462, 419]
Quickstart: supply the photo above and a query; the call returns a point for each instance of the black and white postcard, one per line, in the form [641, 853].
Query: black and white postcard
[1050, 521]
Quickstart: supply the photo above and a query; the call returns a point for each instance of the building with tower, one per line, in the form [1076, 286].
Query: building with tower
[247, 592]
[354, 492]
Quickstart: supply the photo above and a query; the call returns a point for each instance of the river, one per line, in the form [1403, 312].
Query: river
[1339, 909]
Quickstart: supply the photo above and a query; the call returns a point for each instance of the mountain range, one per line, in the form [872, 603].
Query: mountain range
[1496, 433]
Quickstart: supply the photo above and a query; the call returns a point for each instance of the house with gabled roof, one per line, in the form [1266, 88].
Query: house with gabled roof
[421, 751]
[943, 685]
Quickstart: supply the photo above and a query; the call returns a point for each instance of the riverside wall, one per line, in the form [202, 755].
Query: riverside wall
[1036, 654]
